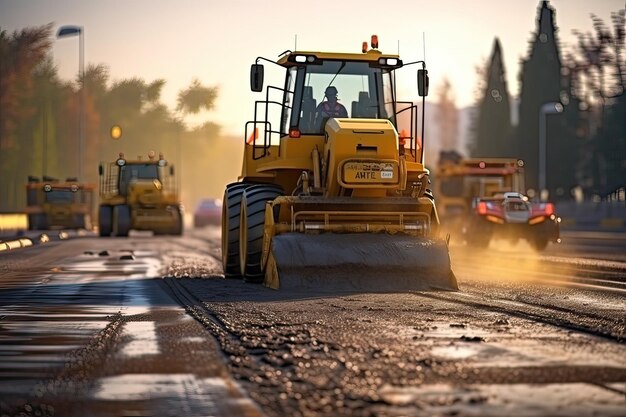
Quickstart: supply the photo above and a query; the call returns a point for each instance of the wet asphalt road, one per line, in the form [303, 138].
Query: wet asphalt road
[151, 327]
[88, 328]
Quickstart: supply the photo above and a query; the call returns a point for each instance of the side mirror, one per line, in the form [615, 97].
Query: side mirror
[256, 78]
[100, 170]
[422, 82]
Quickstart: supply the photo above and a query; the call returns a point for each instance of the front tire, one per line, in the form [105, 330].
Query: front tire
[37, 221]
[178, 221]
[539, 243]
[104, 221]
[252, 221]
[230, 228]
[121, 220]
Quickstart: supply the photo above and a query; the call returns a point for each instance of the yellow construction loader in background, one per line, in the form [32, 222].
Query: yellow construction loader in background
[139, 195]
[54, 204]
[335, 202]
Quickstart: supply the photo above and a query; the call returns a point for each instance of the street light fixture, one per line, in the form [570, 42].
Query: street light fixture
[546, 108]
[65, 31]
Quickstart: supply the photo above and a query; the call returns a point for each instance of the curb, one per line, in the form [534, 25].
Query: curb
[607, 224]
[15, 244]
[614, 223]
[38, 238]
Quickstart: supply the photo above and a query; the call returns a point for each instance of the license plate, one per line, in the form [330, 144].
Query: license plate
[370, 172]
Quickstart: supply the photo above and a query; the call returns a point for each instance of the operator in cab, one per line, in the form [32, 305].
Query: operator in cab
[329, 108]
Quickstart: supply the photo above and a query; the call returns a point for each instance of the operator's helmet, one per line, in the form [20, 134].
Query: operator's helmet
[331, 91]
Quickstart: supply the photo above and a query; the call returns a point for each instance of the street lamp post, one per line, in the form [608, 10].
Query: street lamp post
[71, 31]
[546, 108]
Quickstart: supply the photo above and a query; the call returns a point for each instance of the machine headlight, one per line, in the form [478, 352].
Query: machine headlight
[390, 62]
[301, 59]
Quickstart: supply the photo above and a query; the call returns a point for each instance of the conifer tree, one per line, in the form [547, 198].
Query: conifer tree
[491, 129]
[540, 81]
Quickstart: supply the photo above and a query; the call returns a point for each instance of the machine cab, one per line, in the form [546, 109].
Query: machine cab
[118, 176]
[364, 85]
[138, 171]
[364, 89]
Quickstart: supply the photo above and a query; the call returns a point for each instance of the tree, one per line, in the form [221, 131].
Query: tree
[193, 146]
[598, 80]
[447, 117]
[39, 116]
[42, 144]
[491, 129]
[20, 53]
[196, 97]
[129, 103]
[540, 81]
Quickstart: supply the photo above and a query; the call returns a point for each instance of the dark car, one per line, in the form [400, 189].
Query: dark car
[208, 212]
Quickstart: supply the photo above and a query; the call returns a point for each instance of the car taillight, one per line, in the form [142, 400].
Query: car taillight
[482, 208]
[549, 209]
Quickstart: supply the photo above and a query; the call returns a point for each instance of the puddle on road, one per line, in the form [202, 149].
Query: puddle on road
[531, 352]
[505, 345]
[528, 400]
[449, 330]
[457, 352]
[606, 304]
[136, 298]
[146, 263]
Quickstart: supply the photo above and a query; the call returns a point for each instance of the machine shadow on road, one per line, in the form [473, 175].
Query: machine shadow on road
[219, 289]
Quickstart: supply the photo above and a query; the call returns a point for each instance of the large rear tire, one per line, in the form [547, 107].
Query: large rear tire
[479, 234]
[37, 221]
[539, 243]
[104, 221]
[252, 220]
[230, 228]
[80, 221]
[121, 220]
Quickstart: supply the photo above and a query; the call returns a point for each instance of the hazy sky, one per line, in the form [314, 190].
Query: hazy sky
[216, 41]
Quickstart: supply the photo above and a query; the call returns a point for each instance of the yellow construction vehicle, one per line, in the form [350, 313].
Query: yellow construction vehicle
[330, 198]
[459, 180]
[54, 204]
[139, 195]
